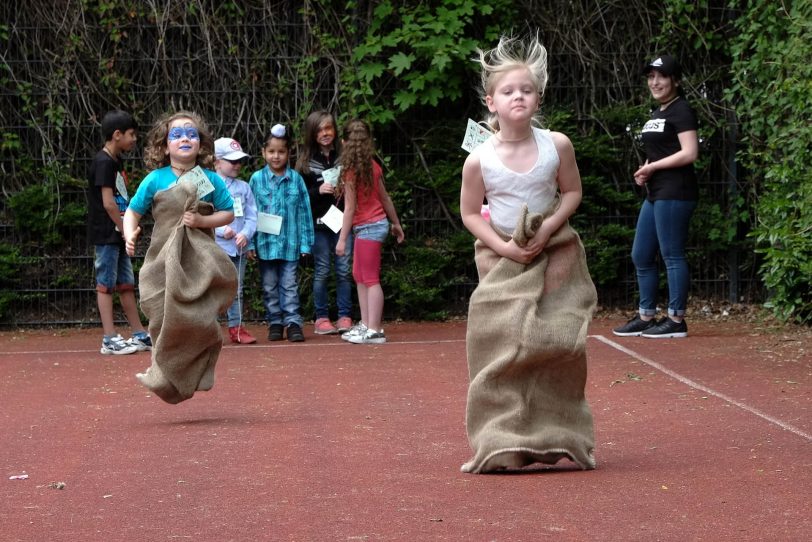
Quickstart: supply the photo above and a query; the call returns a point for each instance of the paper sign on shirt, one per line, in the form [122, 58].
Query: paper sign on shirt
[121, 186]
[199, 179]
[333, 218]
[475, 135]
[268, 223]
[331, 175]
[237, 206]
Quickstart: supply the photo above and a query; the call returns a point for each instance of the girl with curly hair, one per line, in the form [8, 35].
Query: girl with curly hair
[186, 280]
[370, 214]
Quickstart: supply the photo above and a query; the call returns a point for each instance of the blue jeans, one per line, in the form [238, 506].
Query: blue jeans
[372, 231]
[662, 226]
[114, 271]
[234, 313]
[280, 291]
[324, 254]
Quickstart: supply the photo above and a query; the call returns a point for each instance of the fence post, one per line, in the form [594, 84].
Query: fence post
[733, 192]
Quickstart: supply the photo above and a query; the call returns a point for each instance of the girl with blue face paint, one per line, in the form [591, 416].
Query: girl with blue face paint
[182, 142]
[186, 280]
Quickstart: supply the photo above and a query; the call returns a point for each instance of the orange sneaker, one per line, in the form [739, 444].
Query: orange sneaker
[344, 324]
[324, 327]
[238, 334]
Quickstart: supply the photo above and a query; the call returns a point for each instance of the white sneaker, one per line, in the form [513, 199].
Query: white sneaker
[370, 336]
[358, 329]
[140, 342]
[117, 346]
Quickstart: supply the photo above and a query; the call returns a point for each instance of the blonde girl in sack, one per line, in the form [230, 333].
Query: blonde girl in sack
[528, 316]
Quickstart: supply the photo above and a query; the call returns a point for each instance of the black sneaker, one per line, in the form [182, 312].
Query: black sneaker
[667, 329]
[295, 334]
[634, 327]
[275, 332]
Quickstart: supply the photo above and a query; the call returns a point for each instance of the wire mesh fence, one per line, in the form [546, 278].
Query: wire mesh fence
[244, 77]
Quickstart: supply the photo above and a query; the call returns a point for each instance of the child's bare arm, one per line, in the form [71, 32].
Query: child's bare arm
[391, 213]
[131, 230]
[218, 218]
[349, 213]
[111, 207]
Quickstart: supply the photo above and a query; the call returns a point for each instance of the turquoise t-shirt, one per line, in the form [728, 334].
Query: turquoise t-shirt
[163, 178]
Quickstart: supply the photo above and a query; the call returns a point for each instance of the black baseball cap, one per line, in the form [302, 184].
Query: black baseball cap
[666, 65]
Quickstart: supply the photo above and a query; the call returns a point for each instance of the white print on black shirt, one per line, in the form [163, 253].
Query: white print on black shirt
[654, 125]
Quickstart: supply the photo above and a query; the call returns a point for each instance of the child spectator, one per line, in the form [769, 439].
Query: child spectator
[320, 153]
[234, 238]
[107, 199]
[368, 213]
[186, 280]
[284, 233]
[528, 317]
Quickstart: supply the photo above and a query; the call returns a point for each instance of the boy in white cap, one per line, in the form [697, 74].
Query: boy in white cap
[235, 237]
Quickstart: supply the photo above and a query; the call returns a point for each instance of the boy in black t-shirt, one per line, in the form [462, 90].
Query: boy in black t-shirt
[107, 200]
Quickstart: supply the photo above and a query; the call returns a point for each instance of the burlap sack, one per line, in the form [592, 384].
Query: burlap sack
[527, 328]
[185, 282]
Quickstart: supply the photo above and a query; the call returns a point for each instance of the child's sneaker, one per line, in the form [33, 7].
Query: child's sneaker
[344, 324]
[370, 336]
[295, 334]
[141, 341]
[117, 346]
[275, 332]
[358, 329]
[323, 326]
[238, 334]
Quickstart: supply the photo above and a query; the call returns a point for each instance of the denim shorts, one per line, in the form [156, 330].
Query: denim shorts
[114, 271]
[373, 231]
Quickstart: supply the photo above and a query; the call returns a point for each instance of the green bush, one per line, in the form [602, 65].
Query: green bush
[11, 270]
[772, 84]
[40, 215]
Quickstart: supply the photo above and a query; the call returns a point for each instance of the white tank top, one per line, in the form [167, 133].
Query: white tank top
[507, 190]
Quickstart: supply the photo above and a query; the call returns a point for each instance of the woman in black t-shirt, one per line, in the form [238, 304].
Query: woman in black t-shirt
[672, 147]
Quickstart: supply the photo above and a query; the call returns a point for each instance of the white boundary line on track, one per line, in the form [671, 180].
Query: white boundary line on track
[601, 338]
[228, 346]
[698, 386]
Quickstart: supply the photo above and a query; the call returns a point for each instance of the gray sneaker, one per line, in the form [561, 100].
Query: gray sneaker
[358, 329]
[117, 346]
[370, 336]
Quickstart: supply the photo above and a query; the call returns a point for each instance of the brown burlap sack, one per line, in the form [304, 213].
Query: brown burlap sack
[527, 327]
[185, 282]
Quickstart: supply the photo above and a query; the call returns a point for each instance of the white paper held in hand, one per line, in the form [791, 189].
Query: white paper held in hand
[331, 175]
[333, 218]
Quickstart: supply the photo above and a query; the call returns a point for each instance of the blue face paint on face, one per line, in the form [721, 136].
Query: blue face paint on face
[179, 132]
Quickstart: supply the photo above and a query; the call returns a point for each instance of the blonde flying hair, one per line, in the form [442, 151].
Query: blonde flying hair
[511, 53]
[155, 155]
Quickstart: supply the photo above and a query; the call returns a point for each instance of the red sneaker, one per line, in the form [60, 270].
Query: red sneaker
[323, 326]
[238, 334]
[344, 324]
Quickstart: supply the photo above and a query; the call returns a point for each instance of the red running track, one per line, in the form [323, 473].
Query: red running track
[705, 438]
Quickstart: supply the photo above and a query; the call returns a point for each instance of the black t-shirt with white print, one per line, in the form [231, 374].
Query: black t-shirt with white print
[661, 139]
[104, 172]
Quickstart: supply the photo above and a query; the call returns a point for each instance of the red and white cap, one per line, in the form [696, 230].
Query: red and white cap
[226, 148]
